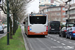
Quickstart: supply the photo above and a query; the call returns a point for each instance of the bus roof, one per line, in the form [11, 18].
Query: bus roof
[37, 14]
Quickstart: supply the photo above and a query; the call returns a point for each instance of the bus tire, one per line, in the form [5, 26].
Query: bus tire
[27, 35]
[43, 35]
[59, 35]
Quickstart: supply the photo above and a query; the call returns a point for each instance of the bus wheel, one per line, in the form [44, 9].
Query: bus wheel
[59, 35]
[27, 35]
[43, 35]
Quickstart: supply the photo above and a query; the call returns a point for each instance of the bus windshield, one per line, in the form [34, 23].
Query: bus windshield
[37, 19]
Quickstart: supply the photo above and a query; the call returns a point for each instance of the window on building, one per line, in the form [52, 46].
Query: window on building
[45, 10]
[54, 9]
[49, 0]
[67, 12]
[63, 8]
[64, 13]
[42, 0]
[48, 9]
[59, 8]
[72, 12]
[64, 19]
[58, 13]
[73, 1]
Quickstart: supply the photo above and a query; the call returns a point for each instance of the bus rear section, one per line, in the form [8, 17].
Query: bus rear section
[54, 27]
[37, 25]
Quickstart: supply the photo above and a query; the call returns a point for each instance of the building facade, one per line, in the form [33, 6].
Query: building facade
[70, 12]
[43, 2]
[55, 13]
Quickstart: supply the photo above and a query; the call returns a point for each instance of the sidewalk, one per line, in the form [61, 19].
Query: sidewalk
[25, 40]
[2, 35]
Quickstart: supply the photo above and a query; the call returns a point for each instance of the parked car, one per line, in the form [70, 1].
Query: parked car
[70, 33]
[63, 32]
[64, 29]
[1, 29]
[54, 27]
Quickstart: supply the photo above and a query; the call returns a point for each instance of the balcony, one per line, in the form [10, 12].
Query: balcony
[72, 7]
[1, 4]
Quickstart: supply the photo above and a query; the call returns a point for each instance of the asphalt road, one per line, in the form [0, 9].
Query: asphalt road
[50, 42]
[3, 34]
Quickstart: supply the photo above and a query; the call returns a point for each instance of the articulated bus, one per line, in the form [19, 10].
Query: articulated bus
[36, 24]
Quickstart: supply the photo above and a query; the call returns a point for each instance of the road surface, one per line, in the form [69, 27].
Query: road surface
[50, 42]
[3, 34]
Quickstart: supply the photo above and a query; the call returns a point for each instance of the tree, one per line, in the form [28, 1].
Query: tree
[17, 9]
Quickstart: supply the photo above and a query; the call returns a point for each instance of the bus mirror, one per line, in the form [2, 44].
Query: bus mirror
[23, 22]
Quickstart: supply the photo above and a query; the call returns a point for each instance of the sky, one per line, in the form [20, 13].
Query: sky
[33, 6]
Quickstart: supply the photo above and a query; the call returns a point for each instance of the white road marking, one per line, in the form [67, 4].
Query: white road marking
[54, 40]
[64, 40]
[70, 42]
[58, 41]
[62, 43]
[70, 47]
[46, 36]
[61, 39]
[51, 38]
[74, 43]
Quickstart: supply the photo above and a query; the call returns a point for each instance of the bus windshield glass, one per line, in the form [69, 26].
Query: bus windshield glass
[37, 19]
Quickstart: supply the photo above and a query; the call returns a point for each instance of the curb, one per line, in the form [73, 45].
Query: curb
[3, 36]
[25, 41]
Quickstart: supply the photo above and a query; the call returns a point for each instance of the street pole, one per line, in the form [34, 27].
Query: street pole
[7, 22]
